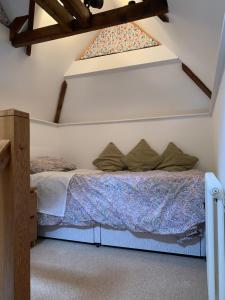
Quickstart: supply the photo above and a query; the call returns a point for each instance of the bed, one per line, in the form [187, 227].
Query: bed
[155, 210]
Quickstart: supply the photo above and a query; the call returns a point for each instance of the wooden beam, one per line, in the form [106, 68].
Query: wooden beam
[16, 26]
[60, 101]
[4, 154]
[58, 13]
[122, 15]
[197, 80]
[78, 10]
[14, 209]
[164, 18]
[30, 23]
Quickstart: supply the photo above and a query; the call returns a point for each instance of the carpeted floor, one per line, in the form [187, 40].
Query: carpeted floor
[70, 271]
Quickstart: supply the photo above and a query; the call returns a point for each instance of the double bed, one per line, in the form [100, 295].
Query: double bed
[155, 210]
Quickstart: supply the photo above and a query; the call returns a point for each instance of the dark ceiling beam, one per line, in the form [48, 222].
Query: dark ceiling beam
[197, 80]
[30, 23]
[58, 13]
[61, 99]
[16, 26]
[77, 9]
[164, 18]
[122, 15]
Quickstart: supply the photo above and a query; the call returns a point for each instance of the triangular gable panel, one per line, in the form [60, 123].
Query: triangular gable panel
[3, 17]
[118, 39]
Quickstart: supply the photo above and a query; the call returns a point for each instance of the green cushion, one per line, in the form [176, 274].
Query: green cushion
[110, 159]
[174, 159]
[141, 158]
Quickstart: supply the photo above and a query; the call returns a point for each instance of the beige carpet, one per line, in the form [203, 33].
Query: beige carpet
[70, 271]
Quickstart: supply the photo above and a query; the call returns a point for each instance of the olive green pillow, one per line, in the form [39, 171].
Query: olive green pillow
[174, 159]
[110, 159]
[141, 158]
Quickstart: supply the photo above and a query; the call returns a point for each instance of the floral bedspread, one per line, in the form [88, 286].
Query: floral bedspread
[156, 201]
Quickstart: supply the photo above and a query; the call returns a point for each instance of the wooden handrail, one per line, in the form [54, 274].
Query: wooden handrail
[4, 153]
[14, 205]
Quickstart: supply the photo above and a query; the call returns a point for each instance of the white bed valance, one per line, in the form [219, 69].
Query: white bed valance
[3, 17]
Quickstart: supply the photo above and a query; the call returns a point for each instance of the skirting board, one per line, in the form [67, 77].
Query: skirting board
[124, 239]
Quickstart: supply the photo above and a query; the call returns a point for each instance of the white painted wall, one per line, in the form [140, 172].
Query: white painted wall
[83, 143]
[193, 33]
[219, 113]
[141, 57]
[219, 132]
[32, 83]
[138, 92]
[15, 8]
[44, 139]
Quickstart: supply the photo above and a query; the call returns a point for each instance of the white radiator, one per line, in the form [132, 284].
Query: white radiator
[215, 238]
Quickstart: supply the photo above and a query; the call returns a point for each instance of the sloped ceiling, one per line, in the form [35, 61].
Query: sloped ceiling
[15, 8]
[32, 84]
[3, 17]
[193, 34]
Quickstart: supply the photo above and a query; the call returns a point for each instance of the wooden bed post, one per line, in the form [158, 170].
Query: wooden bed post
[14, 208]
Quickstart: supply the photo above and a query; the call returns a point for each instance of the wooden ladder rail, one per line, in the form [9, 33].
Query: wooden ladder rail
[14, 205]
[4, 154]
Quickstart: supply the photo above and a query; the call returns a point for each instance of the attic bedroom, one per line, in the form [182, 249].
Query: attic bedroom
[112, 149]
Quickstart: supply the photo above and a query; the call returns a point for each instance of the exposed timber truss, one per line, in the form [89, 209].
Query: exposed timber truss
[73, 18]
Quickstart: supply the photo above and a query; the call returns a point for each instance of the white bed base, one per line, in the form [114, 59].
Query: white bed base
[108, 237]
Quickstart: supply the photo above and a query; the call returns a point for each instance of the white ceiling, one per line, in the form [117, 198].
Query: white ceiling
[15, 8]
[193, 34]
[32, 83]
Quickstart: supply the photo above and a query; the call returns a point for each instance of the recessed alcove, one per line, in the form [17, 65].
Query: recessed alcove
[139, 84]
[126, 74]
[133, 59]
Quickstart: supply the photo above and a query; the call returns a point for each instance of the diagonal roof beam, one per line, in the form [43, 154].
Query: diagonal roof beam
[77, 9]
[60, 102]
[30, 24]
[58, 13]
[126, 14]
[197, 80]
[16, 26]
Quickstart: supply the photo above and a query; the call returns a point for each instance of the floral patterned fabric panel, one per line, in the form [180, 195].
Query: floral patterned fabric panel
[3, 17]
[117, 39]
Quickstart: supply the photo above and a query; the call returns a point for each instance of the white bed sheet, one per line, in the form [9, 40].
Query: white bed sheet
[52, 190]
